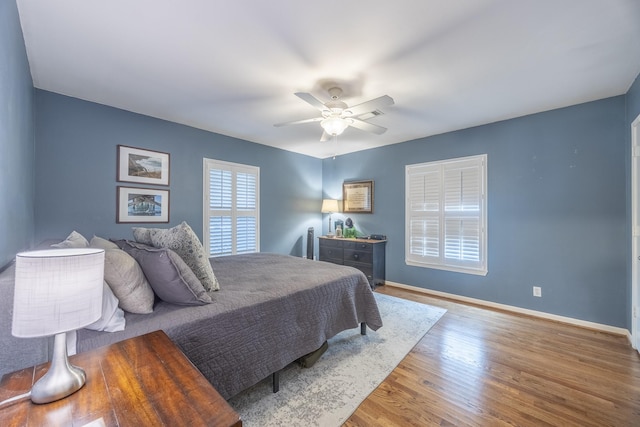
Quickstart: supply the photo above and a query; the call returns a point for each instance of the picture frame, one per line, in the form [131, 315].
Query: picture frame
[139, 205]
[142, 166]
[357, 197]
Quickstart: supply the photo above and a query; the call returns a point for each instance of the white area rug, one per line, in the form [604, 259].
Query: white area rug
[354, 365]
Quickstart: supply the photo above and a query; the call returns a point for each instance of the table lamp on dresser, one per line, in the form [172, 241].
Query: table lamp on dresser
[329, 206]
[56, 291]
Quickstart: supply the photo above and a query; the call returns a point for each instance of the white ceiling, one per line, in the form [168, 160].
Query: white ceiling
[232, 67]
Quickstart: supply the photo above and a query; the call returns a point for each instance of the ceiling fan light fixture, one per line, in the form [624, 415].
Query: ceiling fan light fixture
[334, 125]
[336, 115]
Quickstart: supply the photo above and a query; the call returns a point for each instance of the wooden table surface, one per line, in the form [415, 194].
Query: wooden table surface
[143, 381]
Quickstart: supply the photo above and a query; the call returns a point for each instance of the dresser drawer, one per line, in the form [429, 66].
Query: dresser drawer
[358, 256]
[358, 246]
[331, 243]
[331, 253]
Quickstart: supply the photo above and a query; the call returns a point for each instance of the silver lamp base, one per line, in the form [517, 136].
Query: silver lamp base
[62, 379]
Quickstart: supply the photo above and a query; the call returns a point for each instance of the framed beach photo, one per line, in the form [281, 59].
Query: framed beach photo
[357, 197]
[142, 205]
[142, 166]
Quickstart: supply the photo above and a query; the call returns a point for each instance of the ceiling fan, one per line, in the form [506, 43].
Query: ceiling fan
[337, 115]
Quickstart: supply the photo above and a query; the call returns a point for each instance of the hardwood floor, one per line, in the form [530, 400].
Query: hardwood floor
[481, 367]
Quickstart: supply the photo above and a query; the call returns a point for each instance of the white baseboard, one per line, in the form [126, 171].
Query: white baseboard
[513, 309]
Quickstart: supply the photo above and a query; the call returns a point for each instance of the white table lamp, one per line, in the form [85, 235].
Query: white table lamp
[329, 206]
[57, 290]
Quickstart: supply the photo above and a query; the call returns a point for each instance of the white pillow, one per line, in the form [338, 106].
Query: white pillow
[100, 243]
[73, 240]
[112, 319]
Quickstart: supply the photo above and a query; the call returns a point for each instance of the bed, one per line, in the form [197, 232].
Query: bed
[270, 310]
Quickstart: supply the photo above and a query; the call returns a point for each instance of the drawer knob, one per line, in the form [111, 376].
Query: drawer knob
[356, 256]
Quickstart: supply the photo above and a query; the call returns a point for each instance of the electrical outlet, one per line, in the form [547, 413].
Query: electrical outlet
[537, 291]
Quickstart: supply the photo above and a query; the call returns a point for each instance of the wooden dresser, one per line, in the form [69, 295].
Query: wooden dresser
[366, 255]
[142, 381]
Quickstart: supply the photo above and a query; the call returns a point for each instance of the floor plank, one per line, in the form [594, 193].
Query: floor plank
[485, 367]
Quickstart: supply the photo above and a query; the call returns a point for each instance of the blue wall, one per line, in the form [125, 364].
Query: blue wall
[556, 205]
[76, 173]
[16, 138]
[558, 188]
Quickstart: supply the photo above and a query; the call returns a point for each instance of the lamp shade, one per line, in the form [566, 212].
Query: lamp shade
[329, 206]
[334, 125]
[57, 290]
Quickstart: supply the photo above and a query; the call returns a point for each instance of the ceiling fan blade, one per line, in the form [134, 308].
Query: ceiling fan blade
[366, 126]
[325, 137]
[297, 122]
[369, 106]
[315, 102]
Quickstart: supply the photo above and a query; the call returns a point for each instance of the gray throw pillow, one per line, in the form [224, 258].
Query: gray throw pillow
[127, 281]
[170, 277]
[184, 241]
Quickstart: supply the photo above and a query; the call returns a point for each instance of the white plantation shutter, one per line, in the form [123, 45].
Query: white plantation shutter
[231, 213]
[424, 204]
[446, 215]
[220, 198]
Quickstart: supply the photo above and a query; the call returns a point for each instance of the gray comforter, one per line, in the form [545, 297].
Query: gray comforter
[271, 310]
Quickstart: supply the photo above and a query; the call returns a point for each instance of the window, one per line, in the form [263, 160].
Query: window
[231, 208]
[446, 215]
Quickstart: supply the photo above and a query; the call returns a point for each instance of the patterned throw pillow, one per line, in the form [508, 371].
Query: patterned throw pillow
[143, 235]
[184, 241]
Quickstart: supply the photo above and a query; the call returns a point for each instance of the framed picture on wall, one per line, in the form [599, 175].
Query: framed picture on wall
[142, 205]
[142, 166]
[357, 197]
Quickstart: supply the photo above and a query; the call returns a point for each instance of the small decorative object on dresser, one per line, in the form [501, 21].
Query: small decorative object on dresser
[366, 255]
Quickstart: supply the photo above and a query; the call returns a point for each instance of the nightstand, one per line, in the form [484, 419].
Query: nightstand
[142, 381]
[366, 255]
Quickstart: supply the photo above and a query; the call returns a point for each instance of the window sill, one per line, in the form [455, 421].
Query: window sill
[452, 268]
